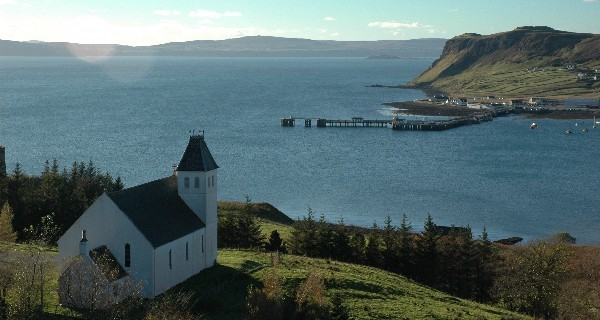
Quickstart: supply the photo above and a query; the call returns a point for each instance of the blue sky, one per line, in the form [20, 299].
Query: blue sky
[153, 21]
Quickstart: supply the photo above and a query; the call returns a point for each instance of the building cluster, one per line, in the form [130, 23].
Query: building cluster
[532, 104]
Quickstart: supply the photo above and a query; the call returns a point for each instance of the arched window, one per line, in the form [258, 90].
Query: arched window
[202, 243]
[187, 254]
[170, 262]
[196, 182]
[186, 182]
[127, 255]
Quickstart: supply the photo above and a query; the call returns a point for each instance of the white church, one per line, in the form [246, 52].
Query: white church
[157, 234]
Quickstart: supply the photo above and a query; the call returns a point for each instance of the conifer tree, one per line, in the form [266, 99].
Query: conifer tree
[7, 232]
[485, 258]
[357, 247]
[303, 235]
[341, 249]
[427, 252]
[406, 247]
[373, 255]
[390, 252]
[324, 239]
[275, 242]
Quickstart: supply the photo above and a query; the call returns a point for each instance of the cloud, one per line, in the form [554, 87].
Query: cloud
[329, 19]
[7, 2]
[165, 13]
[397, 25]
[209, 14]
[591, 0]
[335, 34]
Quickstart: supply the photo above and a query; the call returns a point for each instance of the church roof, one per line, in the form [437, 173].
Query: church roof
[196, 156]
[158, 212]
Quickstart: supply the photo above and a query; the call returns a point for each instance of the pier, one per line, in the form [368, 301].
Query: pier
[395, 123]
[322, 123]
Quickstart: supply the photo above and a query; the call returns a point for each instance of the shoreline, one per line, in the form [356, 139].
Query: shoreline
[431, 109]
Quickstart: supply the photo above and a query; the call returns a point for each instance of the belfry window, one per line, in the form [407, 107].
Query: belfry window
[170, 262]
[196, 182]
[127, 255]
[187, 252]
[186, 182]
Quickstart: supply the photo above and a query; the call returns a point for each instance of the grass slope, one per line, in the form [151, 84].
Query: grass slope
[369, 293]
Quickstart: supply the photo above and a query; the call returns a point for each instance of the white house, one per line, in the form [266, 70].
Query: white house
[161, 232]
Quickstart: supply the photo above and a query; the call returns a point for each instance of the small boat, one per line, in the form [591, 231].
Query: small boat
[585, 129]
[533, 125]
[569, 131]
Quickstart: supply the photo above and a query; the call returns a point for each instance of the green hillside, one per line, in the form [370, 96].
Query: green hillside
[369, 293]
[528, 61]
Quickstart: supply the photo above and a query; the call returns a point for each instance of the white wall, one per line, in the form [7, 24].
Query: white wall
[203, 201]
[106, 225]
[168, 275]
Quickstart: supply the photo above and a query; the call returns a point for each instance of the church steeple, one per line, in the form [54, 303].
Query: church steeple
[197, 157]
[197, 187]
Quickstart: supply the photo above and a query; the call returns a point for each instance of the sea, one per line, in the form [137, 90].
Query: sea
[132, 117]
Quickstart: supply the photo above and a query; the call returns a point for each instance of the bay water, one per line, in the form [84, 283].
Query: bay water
[132, 116]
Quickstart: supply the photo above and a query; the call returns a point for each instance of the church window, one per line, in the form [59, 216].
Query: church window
[127, 255]
[187, 254]
[186, 182]
[202, 243]
[196, 182]
[170, 264]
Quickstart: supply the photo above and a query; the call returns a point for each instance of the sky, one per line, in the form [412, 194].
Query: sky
[149, 22]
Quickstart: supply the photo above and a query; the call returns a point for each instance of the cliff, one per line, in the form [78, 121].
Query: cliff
[538, 60]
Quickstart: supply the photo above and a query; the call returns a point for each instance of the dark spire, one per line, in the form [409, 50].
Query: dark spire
[197, 157]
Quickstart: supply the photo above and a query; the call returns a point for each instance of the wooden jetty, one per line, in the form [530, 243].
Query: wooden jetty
[396, 123]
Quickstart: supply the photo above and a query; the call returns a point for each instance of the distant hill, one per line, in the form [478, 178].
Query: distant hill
[256, 46]
[525, 61]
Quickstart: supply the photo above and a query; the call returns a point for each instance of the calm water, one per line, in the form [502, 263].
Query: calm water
[131, 117]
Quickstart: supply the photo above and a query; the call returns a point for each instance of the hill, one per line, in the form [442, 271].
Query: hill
[369, 293]
[528, 61]
[255, 46]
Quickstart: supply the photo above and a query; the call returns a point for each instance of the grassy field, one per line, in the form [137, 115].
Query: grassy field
[369, 293]
[510, 81]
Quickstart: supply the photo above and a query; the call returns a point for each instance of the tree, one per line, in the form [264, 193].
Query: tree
[373, 250]
[405, 253]
[27, 288]
[391, 250]
[7, 232]
[427, 257]
[485, 259]
[240, 229]
[531, 277]
[268, 302]
[275, 242]
[357, 248]
[303, 236]
[311, 300]
[341, 249]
